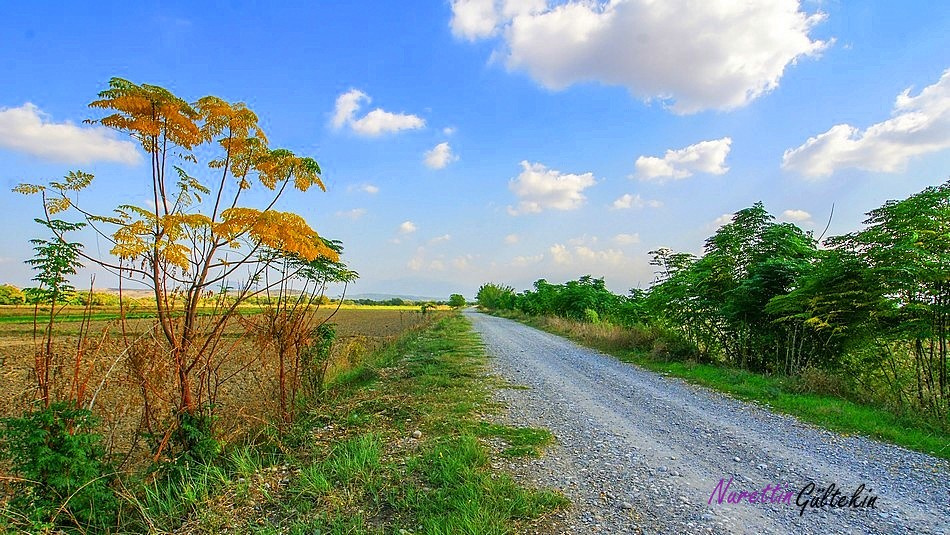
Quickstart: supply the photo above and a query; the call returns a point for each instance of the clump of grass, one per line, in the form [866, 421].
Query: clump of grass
[521, 441]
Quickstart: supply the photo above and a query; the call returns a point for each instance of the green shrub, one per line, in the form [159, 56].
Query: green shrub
[591, 316]
[195, 437]
[315, 358]
[61, 461]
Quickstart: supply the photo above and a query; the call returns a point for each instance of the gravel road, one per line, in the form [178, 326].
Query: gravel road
[638, 452]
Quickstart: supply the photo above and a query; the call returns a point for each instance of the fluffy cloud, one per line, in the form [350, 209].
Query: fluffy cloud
[627, 239]
[27, 129]
[796, 215]
[421, 261]
[583, 255]
[374, 123]
[919, 125]
[627, 201]
[512, 239]
[369, 188]
[540, 188]
[354, 214]
[703, 157]
[440, 239]
[724, 219]
[440, 156]
[477, 19]
[407, 227]
[716, 54]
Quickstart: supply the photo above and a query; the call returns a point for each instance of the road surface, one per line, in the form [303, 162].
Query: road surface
[638, 452]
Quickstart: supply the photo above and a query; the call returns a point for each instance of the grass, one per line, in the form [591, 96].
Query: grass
[781, 394]
[395, 446]
[23, 314]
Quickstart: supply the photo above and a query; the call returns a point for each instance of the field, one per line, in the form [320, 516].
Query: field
[242, 389]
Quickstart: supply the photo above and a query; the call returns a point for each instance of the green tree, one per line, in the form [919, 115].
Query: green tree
[495, 296]
[456, 301]
[906, 245]
[11, 295]
[54, 261]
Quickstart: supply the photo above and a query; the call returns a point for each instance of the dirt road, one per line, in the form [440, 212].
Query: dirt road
[640, 453]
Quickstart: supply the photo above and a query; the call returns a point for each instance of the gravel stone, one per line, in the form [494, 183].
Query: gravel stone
[619, 429]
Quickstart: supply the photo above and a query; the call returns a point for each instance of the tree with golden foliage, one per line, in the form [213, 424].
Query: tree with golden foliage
[194, 236]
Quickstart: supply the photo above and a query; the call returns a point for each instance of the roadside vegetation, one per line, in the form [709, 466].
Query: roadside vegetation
[851, 335]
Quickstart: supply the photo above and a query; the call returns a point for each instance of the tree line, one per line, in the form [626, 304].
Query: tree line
[871, 306]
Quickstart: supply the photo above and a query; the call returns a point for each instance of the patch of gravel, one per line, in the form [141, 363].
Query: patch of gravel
[638, 452]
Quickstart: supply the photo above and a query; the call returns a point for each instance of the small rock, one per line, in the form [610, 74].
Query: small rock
[736, 459]
[684, 499]
[708, 516]
[417, 434]
[626, 505]
[762, 466]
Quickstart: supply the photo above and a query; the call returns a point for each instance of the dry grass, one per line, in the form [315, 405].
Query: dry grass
[242, 386]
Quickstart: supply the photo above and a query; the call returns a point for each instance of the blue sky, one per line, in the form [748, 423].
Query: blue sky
[500, 140]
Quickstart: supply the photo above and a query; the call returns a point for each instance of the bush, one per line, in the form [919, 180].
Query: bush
[315, 358]
[812, 380]
[195, 437]
[61, 462]
[591, 316]
[669, 345]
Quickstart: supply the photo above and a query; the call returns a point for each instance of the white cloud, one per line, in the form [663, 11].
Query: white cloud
[369, 188]
[448, 130]
[440, 239]
[540, 188]
[462, 263]
[584, 256]
[407, 227]
[627, 239]
[724, 219]
[522, 261]
[627, 201]
[560, 254]
[473, 19]
[919, 125]
[420, 261]
[512, 239]
[703, 157]
[715, 54]
[583, 240]
[440, 156]
[796, 215]
[374, 123]
[354, 214]
[477, 19]
[346, 107]
[27, 129]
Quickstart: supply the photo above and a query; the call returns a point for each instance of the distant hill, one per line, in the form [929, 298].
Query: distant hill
[385, 297]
